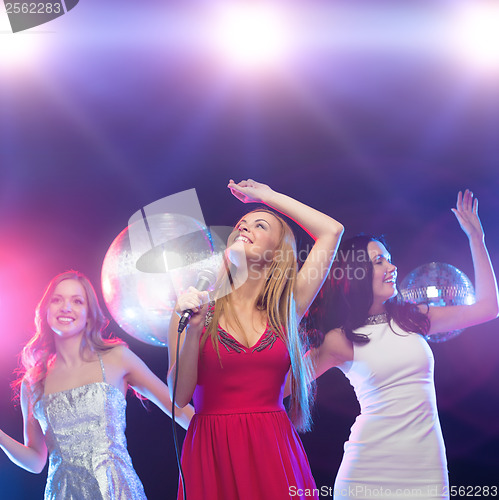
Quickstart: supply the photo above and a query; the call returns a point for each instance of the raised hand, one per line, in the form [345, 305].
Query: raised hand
[250, 191]
[486, 305]
[466, 212]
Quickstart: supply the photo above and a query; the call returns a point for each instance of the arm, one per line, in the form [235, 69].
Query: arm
[146, 383]
[486, 307]
[324, 230]
[32, 455]
[334, 351]
[188, 345]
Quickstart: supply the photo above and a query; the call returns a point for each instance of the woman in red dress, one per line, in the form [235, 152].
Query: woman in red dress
[237, 352]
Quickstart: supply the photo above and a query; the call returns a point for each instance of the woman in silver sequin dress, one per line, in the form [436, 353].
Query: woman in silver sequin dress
[73, 398]
[395, 448]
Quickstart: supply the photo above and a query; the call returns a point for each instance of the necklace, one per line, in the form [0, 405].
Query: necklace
[376, 319]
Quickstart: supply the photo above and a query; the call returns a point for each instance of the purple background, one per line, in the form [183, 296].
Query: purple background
[372, 119]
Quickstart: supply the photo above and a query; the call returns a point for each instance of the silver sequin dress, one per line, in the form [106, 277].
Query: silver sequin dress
[84, 430]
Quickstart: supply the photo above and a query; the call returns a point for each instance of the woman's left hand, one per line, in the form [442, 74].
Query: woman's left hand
[466, 212]
[486, 305]
[250, 191]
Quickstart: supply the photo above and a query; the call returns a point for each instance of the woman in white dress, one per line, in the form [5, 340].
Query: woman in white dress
[395, 449]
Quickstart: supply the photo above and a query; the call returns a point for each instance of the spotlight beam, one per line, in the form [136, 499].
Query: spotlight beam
[250, 35]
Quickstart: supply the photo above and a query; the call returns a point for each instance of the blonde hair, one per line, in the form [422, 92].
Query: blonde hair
[39, 352]
[277, 300]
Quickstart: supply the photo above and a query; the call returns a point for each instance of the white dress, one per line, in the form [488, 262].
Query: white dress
[395, 449]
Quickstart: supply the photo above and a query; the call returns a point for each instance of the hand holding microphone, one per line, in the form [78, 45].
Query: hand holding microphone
[192, 302]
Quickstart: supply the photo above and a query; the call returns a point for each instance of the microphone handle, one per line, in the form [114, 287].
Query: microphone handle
[184, 319]
[202, 285]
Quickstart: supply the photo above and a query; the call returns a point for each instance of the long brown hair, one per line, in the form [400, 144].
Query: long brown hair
[277, 300]
[39, 352]
[347, 295]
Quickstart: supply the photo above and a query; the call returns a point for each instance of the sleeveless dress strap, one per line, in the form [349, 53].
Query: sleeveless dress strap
[102, 368]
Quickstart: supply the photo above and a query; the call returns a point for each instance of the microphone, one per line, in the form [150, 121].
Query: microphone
[205, 280]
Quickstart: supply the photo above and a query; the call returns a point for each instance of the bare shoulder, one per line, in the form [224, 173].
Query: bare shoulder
[338, 346]
[25, 397]
[120, 363]
[118, 355]
[24, 390]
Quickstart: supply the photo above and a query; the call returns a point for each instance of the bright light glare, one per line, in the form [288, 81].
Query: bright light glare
[432, 292]
[16, 48]
[107, 288]
[477, 33]
[251, 34]
[469, 299]
[130, 313]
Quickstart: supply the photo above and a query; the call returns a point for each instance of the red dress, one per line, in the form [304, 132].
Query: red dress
[240, 444]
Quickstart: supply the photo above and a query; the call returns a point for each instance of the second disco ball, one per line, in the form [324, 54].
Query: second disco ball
[438, 284]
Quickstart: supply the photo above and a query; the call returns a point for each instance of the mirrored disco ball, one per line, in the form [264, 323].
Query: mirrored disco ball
[438, 284]
[148, 265]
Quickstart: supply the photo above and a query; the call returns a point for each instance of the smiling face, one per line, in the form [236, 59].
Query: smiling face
[384, 275]
[259, 233]
[67, 309]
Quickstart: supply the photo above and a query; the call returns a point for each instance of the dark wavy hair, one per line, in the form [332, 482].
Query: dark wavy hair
[347, 295]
